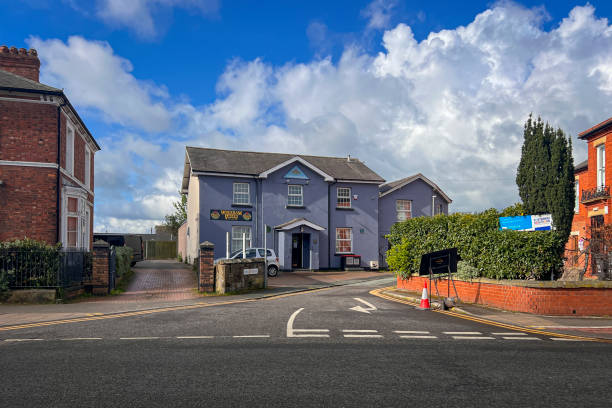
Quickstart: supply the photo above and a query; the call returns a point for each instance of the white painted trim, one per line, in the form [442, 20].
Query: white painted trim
[4, 98]
[378, 183]
[28, 164]
[77, 181]
[424, 179]
[208, 173]
[298, 159]
[69, 164]
[300, 223]
[89, 143]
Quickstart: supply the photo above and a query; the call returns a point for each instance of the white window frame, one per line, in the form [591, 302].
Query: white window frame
[236, 198]
[69, 149]
[237, 231]
[82, 214]
[297, 198]
[338, 240]
[601, 165]
[343, 198]
[87, 168]
[403, 210]
[577, 201]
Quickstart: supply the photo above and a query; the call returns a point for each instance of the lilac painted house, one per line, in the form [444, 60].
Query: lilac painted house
[313, 211]
[414, 196]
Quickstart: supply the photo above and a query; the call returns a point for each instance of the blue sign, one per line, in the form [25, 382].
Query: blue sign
[296, 173]
[526, 223]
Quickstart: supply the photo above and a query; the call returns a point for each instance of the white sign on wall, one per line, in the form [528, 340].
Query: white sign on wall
[252, 271]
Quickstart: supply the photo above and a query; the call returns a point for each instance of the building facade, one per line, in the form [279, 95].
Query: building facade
[46, 158]
[311, 210]
[593, 199]
[414, 196]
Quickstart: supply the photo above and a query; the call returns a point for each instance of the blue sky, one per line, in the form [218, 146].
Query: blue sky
[438, 87]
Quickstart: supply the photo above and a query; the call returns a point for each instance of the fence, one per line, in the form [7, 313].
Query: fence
[160, 250]
[26, 269]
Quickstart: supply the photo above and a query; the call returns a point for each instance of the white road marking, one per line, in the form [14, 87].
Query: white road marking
[82, 338]
[520, 338]
[418, 337]
[462, 333]
[410, 332]
[509, 334]
[371, 336]
[359, 331]
[251, 336]
[291, 331]
[473, 338]
[361, 309]
[311, 330]
[138, 338]
[17, 340]
[195, 337]
[564, 339]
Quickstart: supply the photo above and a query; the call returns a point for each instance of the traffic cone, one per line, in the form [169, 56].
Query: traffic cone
[424, 297]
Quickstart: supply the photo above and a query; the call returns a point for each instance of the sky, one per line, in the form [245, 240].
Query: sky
[437, 87]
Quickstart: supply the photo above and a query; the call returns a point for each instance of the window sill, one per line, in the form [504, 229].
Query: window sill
[243, 205]
[345, 208]
[344, 254]
[294, 207]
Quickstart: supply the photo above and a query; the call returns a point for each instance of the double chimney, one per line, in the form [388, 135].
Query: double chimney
[20, 61]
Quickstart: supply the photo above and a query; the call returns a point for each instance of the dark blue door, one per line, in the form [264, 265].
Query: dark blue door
[306, 251]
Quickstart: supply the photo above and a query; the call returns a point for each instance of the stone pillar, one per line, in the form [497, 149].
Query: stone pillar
[207, 267]
[100, 266]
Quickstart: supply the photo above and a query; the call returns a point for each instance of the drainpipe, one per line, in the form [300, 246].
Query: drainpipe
[433, 203]
[59, 163]
[329, 232]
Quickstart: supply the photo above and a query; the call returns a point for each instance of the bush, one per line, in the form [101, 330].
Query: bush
[123, 259]
[29, 263]
[495, 254]
[179, 258]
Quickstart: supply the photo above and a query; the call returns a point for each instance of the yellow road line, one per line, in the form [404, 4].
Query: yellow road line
[378, 292]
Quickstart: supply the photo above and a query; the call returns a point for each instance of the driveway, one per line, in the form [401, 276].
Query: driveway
[310, 278]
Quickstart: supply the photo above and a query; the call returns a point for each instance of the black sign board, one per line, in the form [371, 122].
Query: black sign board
[231, 215]
[440, 262]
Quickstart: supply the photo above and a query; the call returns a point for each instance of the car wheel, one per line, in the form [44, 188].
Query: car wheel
[272, 271]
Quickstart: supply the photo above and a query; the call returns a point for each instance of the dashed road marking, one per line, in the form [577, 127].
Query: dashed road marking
[520, 338]
[359, 331]
[473, 338]
[252, 336]
[195, 337]
[411, 332]
[367, 336]
[81, 338]
[138, 338]
[466, 333]
[311, 330]
[418, 337]
[509, 334]
[19, 340]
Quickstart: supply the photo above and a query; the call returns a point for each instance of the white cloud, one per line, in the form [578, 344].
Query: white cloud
[378, 13]
[140, 15]
[93, 76]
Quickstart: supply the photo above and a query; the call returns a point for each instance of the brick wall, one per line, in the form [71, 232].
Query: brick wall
[99, 276]
[547, 298]
[207, 268]
[28, 203]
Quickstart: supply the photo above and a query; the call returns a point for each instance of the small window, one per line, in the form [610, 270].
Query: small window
[404, 210]
[241, 194]
[344, 197]
[601, 165]
[237, 232]
[344, 240]
[87, 168]
[73, 204]
[70, 150]
[577, 201]
[72, 231]
[295, 196]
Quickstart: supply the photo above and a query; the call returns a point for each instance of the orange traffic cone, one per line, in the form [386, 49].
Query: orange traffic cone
[424, 297]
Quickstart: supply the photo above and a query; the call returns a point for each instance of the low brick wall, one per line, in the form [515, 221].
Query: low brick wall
[590, 298]
[236, 274]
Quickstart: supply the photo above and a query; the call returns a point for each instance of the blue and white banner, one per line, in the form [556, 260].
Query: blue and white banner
[541, 222]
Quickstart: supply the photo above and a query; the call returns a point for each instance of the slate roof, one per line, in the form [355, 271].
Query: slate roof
[581, 166]
[8, 80]
[386, 188]
[255, 163]
[598, 127]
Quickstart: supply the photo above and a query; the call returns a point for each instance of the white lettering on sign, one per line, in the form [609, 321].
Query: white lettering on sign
[252, 271]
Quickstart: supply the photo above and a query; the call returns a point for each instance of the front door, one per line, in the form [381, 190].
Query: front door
[300, 251]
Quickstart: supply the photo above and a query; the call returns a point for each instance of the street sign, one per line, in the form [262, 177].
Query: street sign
[443, 261]
[541, 222]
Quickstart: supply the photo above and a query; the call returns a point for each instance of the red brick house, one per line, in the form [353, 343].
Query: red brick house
[593, 200]
[46, 158]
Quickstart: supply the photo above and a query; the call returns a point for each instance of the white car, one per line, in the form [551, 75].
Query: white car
[273, 265]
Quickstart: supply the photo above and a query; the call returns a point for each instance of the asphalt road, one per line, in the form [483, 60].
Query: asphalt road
[311, 349]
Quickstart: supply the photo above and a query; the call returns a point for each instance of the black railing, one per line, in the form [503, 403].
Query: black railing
[23, 269]
[594, 194]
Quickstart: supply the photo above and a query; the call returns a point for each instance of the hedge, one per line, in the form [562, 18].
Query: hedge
[28, 262]
[123, 259]
[495, 254]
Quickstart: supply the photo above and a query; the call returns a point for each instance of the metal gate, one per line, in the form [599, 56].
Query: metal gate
[112, 268]
[600, 249]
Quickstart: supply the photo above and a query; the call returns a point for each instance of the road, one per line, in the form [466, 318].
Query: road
[335, 347]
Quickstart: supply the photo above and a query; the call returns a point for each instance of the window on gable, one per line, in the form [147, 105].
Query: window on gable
[404, 210]
[295, 196]
[87, 167]
[69, 150]
[241, 194]
[344, 197]
[601, 165]
[344, 240]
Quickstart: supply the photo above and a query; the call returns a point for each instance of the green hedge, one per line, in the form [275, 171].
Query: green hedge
[27, 262]
[123, 259]
[495, 254]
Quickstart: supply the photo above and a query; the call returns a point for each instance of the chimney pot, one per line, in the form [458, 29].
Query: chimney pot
[20, 62]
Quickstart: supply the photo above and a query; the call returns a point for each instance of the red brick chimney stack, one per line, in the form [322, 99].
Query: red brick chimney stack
[20, 62]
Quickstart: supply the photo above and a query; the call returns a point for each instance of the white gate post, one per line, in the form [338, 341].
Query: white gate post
[243, 245]
[227, 245]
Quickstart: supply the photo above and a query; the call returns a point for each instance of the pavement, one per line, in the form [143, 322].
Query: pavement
[334, 346]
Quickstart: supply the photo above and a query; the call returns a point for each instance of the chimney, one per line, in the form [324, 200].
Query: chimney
[20, 62]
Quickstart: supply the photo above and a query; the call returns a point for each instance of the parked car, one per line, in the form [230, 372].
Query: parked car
[273, 264]
[129, 240]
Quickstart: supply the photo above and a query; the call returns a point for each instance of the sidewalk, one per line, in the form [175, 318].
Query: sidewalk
[600, 327]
